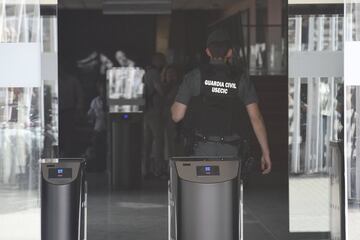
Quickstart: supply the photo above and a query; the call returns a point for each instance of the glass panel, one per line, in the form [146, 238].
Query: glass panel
[49, 34]
[353, 160]
[50, 84]
[352, 119]
[352, 11]
[263, 47]
[20, 132]
[316, 33]
[337, 228]
[313, 122]
[268, 56]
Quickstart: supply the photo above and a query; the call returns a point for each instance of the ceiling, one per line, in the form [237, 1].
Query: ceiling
[177, 4]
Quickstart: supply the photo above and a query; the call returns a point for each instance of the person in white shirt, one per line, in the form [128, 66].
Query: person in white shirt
[96, 111]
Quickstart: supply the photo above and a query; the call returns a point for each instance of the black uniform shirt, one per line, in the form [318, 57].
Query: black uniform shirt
[191, 86]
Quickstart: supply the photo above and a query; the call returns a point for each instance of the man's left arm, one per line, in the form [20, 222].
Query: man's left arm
[258, 125]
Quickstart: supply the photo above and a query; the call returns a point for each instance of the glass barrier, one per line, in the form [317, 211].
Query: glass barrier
[268, 56]
[352, 119]
[20, 120]
[262, 47]
[316, 33]
[49, 64]
[337, 223]
[353, 160]
[315, 124]
[352, 17]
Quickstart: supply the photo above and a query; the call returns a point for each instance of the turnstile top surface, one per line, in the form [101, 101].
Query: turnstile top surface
[205, 158]
[61, 171]
[214, 171]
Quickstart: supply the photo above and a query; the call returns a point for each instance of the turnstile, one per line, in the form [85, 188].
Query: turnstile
[63, 199]
[126, 132]
[205, 199]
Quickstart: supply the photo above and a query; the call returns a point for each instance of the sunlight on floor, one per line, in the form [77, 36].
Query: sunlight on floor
[23, 225]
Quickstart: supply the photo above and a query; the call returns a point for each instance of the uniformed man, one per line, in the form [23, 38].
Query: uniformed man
[211, 97]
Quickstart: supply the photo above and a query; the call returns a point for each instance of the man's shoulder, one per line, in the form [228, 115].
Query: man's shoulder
[189, 87]
[192, 80]
[193, 74]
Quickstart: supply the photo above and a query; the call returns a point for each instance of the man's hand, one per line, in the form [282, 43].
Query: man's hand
[265, 164]
[257, 122]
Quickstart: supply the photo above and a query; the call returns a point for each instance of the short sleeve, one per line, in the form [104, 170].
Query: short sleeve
[189, 88]
[247, 91]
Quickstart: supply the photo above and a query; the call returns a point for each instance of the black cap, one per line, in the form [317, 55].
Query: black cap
[218, 36]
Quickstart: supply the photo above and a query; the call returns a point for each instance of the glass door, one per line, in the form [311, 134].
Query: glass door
[315, 82]
[25, 106]
[49, 76]
[352, 119]
[20, 120]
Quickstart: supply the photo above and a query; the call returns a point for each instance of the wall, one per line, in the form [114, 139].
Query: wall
[188, 34]
[163, 23]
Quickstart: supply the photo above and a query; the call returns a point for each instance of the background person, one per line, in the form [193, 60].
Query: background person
[170, 81]
[70, 111]
[97, 114]
[153, 120]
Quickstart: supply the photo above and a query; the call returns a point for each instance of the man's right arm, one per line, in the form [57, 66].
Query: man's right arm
[187, 90]
[250, 99]
[258, 124]
[178, 111]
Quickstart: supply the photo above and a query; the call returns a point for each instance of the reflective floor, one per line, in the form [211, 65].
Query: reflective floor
[143, 214]
[19, 209]
[354, 219]
[309, 204]
[26, 220]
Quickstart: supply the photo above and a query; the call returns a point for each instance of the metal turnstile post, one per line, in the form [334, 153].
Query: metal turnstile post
[63, 199]
[205, 199]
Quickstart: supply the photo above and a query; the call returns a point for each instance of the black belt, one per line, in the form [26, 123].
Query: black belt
[217, 139]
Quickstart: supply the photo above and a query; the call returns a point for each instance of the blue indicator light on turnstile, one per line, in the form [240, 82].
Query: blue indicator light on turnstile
[207, 169]
[60, 171]
[125, 116]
